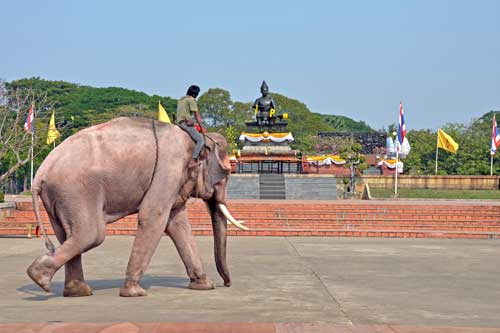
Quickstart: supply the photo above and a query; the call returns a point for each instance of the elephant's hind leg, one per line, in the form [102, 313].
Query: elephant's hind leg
[82, 233]
[179, 229]
[74, 281]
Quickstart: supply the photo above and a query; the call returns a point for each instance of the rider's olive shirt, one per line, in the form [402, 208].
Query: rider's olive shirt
[185, 107]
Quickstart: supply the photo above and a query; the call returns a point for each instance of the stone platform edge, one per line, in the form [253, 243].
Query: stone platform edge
[127, 327]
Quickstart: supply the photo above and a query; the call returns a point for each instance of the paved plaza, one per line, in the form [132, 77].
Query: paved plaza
[345, 281]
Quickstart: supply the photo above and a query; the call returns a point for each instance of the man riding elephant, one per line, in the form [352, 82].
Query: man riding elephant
[186, 109]
[125, 166]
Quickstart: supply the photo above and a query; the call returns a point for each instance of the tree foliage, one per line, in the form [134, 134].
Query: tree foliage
[216, 106]
[76, 107]
[85, 105]
[79, 106]
[472, 157]
[16, 143]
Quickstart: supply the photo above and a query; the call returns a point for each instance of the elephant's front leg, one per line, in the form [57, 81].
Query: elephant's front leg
[152, 221]
[179, 229]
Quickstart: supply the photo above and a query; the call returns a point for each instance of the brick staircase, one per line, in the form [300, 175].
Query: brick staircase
[425, 219]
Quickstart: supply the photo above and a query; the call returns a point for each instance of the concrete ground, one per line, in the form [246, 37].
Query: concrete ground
[360, 281]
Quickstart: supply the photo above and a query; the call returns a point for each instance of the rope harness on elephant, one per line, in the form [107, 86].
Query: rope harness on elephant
[156, 158]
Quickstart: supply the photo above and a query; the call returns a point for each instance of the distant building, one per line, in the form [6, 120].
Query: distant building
[372, 143]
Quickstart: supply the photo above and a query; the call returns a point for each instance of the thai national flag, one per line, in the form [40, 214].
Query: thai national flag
[401, 125]
[29, 124]
[495, 137]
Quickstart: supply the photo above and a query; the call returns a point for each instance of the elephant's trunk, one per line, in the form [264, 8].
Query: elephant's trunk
[219, 226]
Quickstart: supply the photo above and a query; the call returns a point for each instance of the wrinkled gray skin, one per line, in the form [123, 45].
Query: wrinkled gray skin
[102, 174]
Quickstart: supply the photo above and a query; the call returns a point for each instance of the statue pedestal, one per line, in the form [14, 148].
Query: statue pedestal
[267, 149]
[267, 153]
[264, 144]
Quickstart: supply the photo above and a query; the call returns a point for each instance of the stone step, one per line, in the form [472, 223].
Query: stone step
[272, 186]
[28, 216]
[302, 218]
[307, 233]
[338, 206]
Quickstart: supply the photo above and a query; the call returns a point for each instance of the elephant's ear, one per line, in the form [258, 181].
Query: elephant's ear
[218, 164]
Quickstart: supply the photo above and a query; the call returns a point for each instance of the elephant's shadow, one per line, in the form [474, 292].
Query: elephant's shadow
[146, 282]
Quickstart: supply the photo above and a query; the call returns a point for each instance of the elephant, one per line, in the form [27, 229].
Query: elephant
[125, 166]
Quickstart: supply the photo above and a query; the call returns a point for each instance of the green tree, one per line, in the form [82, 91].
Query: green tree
[16, 143]
[342, 124]
[215, 106]
[242, 112]
[76, 107]
[355, 161]
[303, 123]
[420, 160]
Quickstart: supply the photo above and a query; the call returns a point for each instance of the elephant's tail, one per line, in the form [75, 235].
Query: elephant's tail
[48, 243]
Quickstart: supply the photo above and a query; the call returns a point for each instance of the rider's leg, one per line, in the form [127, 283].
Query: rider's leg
[199, 142]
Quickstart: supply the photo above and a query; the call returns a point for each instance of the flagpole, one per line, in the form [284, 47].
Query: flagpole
[32, 146]
[396, 174]
[437, 152]
[32, 130]
[491, 164]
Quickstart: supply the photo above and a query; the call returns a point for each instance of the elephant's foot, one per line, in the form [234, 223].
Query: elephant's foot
[77, 288]
[201, 283]
[41, 271]
[132, 290]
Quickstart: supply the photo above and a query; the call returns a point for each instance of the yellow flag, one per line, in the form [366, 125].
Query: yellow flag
[446, 142]
[162, 114]
[52, 133]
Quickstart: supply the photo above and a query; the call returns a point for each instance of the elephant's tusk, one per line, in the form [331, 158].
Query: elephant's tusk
[230, 218]
[229, 222]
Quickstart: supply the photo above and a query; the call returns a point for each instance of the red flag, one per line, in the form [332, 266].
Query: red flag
[495, 137]
[401, 125]
[29, 123]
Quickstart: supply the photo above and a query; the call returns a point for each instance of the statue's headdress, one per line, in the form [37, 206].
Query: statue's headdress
[264, 86]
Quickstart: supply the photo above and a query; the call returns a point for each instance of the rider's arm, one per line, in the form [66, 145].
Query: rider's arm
[197, 116]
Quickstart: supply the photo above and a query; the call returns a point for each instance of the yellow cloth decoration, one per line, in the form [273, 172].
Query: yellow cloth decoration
[162, 114]
[265, 137]
[446, 142]
[258, 135]
[271, 113]
[391, 164]
[52, 134]
[325, 160]
[324, 157]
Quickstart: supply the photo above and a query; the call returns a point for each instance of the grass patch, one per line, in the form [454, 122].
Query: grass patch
[435, 194]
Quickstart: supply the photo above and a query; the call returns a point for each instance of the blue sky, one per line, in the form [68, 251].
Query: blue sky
[352, 58]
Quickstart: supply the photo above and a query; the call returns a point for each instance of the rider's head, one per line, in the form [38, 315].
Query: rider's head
[193, 91]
